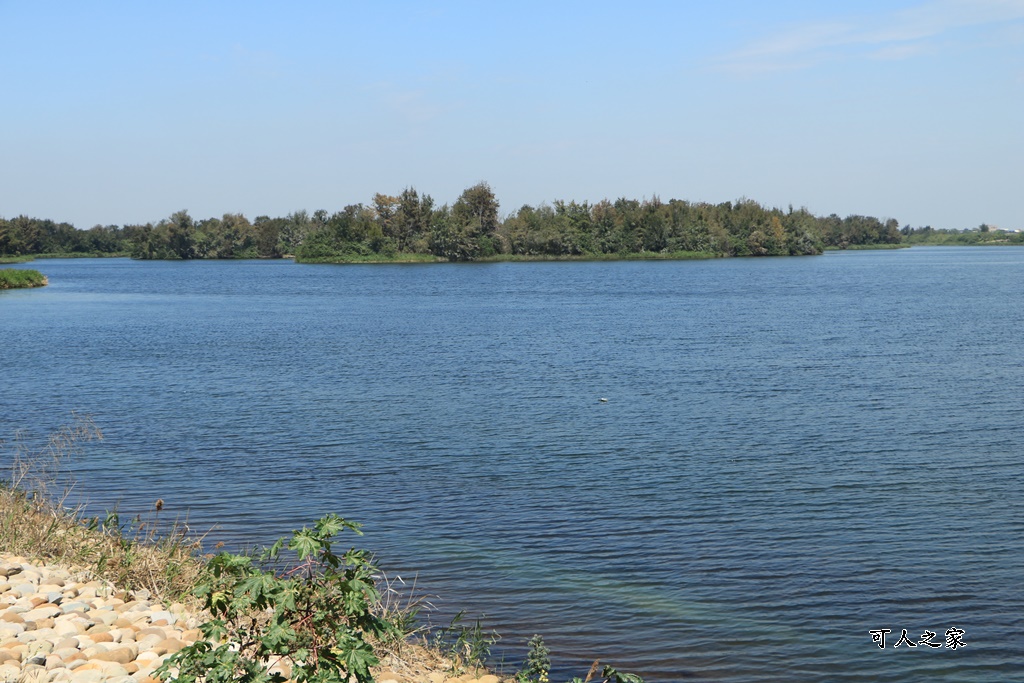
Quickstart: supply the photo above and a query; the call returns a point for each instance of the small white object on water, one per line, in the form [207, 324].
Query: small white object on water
[602, 400]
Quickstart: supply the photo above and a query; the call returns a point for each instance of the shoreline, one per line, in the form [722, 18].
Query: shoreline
[90, 600]
[65, 625]
[84, 602]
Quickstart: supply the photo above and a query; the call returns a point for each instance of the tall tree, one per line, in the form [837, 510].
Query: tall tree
[477, 210]
[180, 234]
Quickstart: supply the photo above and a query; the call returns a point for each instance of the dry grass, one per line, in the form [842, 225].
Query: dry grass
[34, 528]
[163, 558]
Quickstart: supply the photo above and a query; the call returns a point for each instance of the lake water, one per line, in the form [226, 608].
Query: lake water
[794, 451]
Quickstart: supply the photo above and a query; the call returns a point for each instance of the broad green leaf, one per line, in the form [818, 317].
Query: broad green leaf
[304, 544]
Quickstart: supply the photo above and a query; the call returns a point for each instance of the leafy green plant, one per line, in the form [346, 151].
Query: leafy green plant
[312, 622]
[468, 646]
[538, 662]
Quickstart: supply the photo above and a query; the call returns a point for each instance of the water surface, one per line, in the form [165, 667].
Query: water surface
[793, 451]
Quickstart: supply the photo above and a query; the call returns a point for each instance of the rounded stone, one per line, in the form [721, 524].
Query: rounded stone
[92, 652]
[168, 646]
[147, 643]
[77, 606]
[87, 676]
[151, 631]
[124, 634]
[11, 630]
[121, 655]
[114, 670]
[164, 616]
[67, 628]
[105, 616]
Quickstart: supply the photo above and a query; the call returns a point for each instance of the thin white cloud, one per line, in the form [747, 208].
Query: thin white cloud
[893, 53]
[412, 105]
[892, 35]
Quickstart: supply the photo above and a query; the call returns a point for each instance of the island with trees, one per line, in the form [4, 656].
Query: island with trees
[412, 227]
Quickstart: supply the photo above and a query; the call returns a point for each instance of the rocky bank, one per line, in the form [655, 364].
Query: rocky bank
[58, 625]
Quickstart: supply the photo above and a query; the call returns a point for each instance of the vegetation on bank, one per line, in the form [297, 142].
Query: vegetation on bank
[409, 227]
[869, 247]
[15, 278]
[983, 236]
[296, 611]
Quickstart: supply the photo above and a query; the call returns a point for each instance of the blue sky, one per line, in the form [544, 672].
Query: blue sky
[126, 112]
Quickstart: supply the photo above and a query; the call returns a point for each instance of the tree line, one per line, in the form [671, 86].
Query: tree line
[981, 236]
[394, 227]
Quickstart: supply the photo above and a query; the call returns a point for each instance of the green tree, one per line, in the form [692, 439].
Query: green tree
[475, 214]
[411, 221]
[449, 239]
[268, 236]
[180, 235]
[236, 238]
[294, 230]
